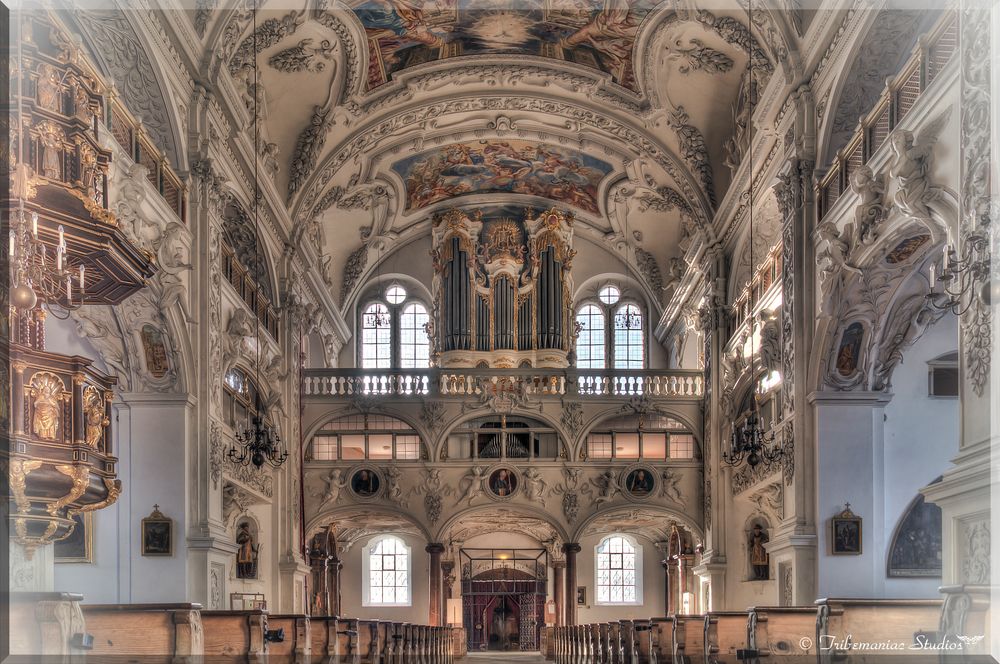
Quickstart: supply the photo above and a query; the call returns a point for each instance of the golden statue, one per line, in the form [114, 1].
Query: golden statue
[93, 410]
[46, 390]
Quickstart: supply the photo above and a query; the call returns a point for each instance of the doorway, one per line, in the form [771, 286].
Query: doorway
[503, 598]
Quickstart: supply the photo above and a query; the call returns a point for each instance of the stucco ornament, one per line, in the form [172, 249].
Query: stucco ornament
[910, 167]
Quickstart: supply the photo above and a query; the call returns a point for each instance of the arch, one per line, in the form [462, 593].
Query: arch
[395, 520]
[523, 511]
[663, 516]
[422, 452]
[249, 247]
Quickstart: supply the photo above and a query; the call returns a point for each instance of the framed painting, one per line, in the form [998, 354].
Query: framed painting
[157, 534]
[846, 533]
[79, 546]
[581, 595]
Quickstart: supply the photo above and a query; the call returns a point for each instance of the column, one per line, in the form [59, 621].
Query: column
[850, 450]
[668, 604]
[435, 550]
[559, 590]
[333, 578]
[570, 549]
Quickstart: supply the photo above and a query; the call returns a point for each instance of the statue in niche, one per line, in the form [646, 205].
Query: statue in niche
[759, 560]
[48, 87]
[94, 414]
[47, 391]
[246, 555]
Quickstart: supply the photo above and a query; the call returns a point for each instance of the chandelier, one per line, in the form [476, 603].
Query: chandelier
[628, 318]
[959, 276]
[38, 274]
[259, 443]
[749, 441]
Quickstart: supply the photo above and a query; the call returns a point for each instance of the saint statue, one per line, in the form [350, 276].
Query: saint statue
[246, 555]
[758, 554]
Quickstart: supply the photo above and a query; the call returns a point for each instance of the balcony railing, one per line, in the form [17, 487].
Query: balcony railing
[765, 276]
[514, 384]
[897, 100]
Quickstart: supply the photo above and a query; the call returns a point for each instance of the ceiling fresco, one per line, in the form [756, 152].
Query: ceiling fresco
[596, 34]
[558, 173]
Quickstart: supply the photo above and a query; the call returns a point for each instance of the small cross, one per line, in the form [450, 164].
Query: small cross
[156, 508]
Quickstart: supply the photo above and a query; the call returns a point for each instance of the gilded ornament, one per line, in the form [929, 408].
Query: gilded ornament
[46, 391]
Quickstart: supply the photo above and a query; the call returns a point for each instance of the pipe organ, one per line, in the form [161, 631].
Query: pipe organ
[502, 290]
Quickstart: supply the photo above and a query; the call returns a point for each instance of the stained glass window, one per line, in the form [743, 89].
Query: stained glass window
[590, 344]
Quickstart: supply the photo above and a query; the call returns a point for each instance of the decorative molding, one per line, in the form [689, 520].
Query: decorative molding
[693, 149]
[572, 418]
[304, 57]
[975, 553]
[268, 33]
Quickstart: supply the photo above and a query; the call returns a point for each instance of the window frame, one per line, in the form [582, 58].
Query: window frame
[395, 328]
[366, 586]
[609, 311]
[247, 398]
[367, 432]
[641, 432]
[637, 568]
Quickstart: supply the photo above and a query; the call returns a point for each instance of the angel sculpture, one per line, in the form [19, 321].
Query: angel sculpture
[869, 211]
[334, 485]
[910, 166]
[835, 254]
[476, 478]
[535, 486]
[394, 492]
[607, 487]
[669, 488]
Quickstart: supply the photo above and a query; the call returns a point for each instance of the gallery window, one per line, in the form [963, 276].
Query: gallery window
[366, 436]
[386, 573]
[618, 570]
[651, 438]
[612, 332]
[394, 332]
[503, 437]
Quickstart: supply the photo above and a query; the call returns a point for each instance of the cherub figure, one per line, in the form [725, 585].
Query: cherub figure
[535, 486]
[476, 478]
[910, 165]
[834, 255]
[607, 487]
[869, 211]
[335, 483]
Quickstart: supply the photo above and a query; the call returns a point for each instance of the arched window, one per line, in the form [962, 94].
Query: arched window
[503, 437]
[590, 345]
[628, 343]
[394, 332]
[618, 570]
[611, 332]
[386, 580]
[366, 436]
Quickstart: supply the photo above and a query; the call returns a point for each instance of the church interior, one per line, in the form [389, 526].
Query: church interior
[611, 331]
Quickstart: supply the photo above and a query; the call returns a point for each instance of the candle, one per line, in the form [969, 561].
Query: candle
[12, 242]
[69, 288]
[62, 237]
[34, 224]
[944, 260]
[45, 255]
[81, 277]
[932, 275]
[59, 257]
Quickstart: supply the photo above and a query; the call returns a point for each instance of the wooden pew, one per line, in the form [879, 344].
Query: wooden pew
[966, 613]
[775, 631]
[297, 644]
[661, 640]
[725, 634]
[43, 624]
[157, 632]
[873, 621]
[236, 636]
[688, 635]
[370, 645]
[626, 632]
[641, 630]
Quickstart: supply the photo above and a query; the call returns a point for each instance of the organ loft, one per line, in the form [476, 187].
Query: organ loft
[449, 331]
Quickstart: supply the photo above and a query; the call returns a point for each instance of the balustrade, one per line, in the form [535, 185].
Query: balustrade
[503, 384]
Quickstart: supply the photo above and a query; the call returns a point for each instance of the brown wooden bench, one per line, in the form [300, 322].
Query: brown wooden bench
[157, 632]
[43, 624]
[661, 640]
[842, 622]
[297, 644]
[774, 631]
[640, 641]
[370, 641]
[688, 632]
[966, 613]
[236, 636]
[725, 634]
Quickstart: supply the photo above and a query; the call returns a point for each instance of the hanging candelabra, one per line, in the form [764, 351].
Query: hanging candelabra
[36, 274]
[959, 277]
[259, 443]
[749, 441]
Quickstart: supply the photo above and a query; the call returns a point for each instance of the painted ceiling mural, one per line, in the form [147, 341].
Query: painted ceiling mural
[594, 33]
[497, 166]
